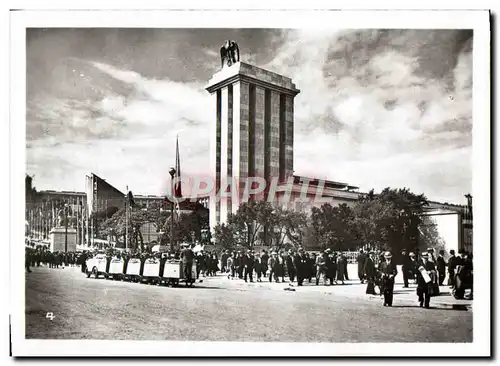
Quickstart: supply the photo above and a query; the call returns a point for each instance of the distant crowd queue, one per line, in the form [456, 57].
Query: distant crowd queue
[35, 257]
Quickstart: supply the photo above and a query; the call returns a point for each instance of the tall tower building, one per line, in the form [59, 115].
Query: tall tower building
[253, 131]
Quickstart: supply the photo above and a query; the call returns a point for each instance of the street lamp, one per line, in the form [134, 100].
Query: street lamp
[172, 172]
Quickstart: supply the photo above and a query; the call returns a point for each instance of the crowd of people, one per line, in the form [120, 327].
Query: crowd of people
[328, 267]
[427, 270]
[34, 257]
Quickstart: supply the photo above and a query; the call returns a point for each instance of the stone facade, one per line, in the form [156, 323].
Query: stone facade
[253, 132]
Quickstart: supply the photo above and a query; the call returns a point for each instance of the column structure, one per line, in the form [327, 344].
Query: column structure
[252, 135]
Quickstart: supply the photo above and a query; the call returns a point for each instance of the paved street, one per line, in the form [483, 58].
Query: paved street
[217, 310]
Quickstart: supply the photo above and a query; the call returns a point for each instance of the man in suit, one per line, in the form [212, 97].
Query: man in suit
[322, 267]
[452, 264]
[240, 265]
[423, 286]
[290, 266]
[441, 267]
[389, 271]
[300, 263]
[406, 267]
[361, 265]
[223, 261]
[248, 263]
[370, 273]
[264, 259]
[187, 257]
[273, 265]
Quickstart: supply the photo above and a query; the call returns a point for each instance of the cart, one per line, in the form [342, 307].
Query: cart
[133, 270]
[151, 271]
[173, 273]
[115, 270]
[97, 265]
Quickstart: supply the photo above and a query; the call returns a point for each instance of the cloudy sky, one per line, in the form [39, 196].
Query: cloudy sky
[377, 108]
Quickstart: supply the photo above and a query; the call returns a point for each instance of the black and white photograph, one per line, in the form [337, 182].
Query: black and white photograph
[239, 183]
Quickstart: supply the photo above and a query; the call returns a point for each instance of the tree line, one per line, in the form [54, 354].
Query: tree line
[391, 220]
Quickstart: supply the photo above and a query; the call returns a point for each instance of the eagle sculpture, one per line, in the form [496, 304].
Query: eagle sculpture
[229, 53]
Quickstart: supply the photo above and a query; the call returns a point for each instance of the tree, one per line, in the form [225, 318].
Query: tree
[333, 227]
[389, 220]
[188, 227]
[260, 221]
[372, 216]
[249, 220]
[116, 225]
[223, 235]
[282, 225]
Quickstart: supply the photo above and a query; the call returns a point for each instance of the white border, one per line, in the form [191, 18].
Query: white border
[478, 21]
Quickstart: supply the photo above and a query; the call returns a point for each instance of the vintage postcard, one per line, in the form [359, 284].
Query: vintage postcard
[250, 183]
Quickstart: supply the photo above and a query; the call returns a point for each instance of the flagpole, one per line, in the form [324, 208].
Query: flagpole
[126, 221]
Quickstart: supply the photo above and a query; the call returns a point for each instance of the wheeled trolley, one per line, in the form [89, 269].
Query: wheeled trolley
[115, 269]
[97, 266]
[151, 271]
[133, 270]
[173, 273]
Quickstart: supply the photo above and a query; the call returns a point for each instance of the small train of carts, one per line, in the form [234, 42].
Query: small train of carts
[169, 272]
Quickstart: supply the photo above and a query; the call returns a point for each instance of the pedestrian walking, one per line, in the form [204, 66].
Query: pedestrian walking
[388, 271]
[248, 262]
[346, 272]
[341, 268]
[331, 267]
[264, 259]
[230, 269]
[441, 267]
[452, 264]
[405, 268]
[187, 257]
[370, 273]
[424, 280]
[273, 264]
[223, 258]
[322, 267]
[290, 268]
[361, 265]
[300, 264]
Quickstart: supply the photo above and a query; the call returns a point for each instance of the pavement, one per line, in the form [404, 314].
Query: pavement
[350, 289]
[219, 309]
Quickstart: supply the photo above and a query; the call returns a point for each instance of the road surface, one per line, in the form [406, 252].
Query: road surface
[103, 309]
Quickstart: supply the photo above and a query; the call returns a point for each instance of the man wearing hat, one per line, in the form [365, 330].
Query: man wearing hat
[389, 271]
[264, 258]
[187, 256]
[273, 265]
[423, 287]
[223, 260]
[300, 263]
[248, 262]
[441, 267]
[290, 266]
[452, 264]
[322, 266]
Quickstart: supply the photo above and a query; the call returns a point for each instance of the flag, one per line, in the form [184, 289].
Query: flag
[177, 185]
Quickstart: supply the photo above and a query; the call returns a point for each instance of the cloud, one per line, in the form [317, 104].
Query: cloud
[370, 113]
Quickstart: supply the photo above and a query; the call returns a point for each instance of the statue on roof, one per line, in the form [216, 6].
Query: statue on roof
[229, 53]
